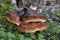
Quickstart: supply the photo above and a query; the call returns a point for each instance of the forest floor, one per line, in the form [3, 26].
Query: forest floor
[8, 32]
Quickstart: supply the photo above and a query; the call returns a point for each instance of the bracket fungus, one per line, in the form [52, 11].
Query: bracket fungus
[31, 27]
[13, 17]
[34, 18]
[29, 22]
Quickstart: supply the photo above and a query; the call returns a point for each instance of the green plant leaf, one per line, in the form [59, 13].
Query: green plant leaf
[2, 34]
[2, 29]
[41, 37]
[2, 39]
[20, 37]
[27, 39]
[10, 35]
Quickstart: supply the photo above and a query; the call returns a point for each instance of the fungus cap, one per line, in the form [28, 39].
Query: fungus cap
[31, 27]
[13, 17]
[34, 18]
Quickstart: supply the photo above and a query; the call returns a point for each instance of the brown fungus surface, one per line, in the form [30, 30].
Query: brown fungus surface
[13, 17]
[34, 18]
[31, 27]
[29, 22]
